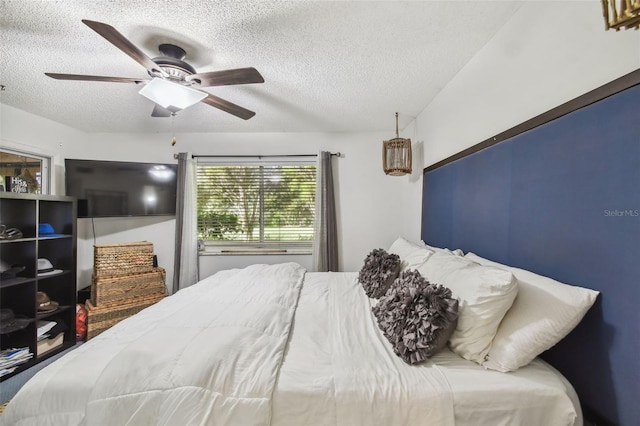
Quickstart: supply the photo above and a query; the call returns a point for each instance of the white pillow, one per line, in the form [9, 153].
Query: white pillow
[484, 294]
[412, 255]
[457, 252]
[544, 312]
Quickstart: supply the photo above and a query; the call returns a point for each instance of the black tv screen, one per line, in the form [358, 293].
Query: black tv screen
[117, 188]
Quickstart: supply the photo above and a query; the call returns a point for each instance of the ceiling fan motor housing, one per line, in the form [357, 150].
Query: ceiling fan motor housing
[172, 63]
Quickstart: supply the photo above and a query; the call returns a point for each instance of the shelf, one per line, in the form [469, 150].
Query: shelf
[27, 212]
[16, 240]
[19, 240]
[57, 237]
[15, 281]
[61, 274]
[61, 308]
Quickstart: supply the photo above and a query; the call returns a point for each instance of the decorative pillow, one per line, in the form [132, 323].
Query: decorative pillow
[417, 317]
[411, 254]
[544, 312]
[485, 294]
[379, 270]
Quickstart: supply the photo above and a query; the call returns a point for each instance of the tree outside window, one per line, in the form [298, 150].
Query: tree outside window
[257, 205]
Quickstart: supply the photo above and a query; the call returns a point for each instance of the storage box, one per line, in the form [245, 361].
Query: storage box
[46, 345]
[116, 290]
[100, 319]
[111, 260]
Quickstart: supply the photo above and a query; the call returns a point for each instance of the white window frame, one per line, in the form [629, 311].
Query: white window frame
[45, 169]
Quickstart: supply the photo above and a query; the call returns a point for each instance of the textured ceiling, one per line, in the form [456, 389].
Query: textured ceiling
[328, 66]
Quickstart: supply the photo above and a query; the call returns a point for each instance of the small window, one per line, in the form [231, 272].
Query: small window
[256, 206]
[22, 172]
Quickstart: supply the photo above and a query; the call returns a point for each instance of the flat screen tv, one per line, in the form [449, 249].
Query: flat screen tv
[117, 188]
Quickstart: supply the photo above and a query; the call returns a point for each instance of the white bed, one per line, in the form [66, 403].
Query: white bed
[276, 345]
[336, 339]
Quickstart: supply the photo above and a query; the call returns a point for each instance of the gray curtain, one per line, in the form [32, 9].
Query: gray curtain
[325, 242]
[185, 267]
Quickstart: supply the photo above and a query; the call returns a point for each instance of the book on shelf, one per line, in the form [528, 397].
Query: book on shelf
[10, 359]
[47, 345]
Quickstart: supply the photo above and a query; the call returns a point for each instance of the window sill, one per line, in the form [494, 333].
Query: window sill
[253, 252]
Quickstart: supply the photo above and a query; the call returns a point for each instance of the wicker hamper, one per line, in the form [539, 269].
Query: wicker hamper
[111, 260]
[107, 291]
[100, 319]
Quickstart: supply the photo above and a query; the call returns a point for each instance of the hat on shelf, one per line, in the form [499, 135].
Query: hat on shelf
[9, 323]
[44, 303]
[9, 233]
[46, 268]
[46, 230]
[9, 271]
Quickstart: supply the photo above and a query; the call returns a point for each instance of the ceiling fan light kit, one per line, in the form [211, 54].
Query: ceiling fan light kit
[171, 77]
[168, 94]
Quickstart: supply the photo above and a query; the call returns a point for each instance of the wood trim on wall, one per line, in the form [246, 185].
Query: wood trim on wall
[604, 91]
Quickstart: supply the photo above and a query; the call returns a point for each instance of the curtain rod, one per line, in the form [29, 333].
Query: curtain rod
[333, 154]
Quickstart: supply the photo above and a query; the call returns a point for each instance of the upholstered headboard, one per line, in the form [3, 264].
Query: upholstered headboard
[560, 195]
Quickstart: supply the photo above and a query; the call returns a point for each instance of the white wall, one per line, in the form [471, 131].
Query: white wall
[368, 202]
[33, 134]
[546, 55]
[26, 132]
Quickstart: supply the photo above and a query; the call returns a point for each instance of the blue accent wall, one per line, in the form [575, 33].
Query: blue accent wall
[562, 200]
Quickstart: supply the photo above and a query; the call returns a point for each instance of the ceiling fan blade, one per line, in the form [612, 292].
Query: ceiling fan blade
[227, 77]
[227, 106]
[94, 78]
[121, 42]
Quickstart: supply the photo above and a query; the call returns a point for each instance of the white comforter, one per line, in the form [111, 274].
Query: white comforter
[217, 353]
[340, 370]
[209, 354]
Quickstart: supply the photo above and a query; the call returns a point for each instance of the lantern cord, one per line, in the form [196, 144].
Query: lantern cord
[397, 134]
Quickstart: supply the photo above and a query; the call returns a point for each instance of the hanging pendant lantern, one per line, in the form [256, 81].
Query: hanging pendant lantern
[396, 155]
[625, 14]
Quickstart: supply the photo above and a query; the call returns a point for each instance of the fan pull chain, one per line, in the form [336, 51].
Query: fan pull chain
[173, 139]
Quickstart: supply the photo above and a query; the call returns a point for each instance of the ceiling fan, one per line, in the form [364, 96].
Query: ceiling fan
[171, 74]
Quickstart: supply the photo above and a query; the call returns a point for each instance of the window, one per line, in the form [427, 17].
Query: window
[256, 206]
[22, 172]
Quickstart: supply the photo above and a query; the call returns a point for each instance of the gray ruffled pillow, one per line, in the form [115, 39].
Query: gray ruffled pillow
[379, 270]
[417, 317]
